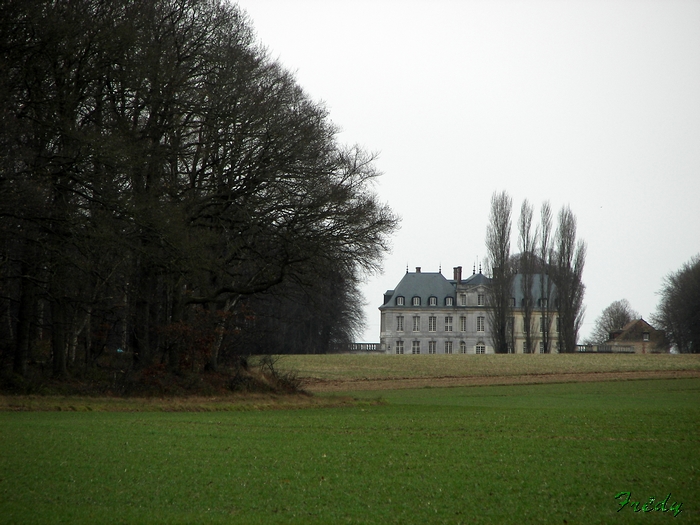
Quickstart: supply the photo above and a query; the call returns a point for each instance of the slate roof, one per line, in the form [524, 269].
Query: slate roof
[423, 285]
[477, 279]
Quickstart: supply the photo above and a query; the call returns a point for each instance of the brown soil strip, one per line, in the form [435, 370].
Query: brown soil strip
[320, 385]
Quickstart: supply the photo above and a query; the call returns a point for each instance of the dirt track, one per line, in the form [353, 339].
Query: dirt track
[319, 385]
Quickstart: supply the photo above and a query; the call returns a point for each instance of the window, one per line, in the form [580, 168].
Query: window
[416, 323]
[415, 347]
[558, 347]
[480, 348]
[541, 347]
[512, 302]
[544, 324]
[511, 325]
[432, 323]
[448, 323]
[462, 347]
[525, 351]
[399, 323]
[463, 299]
[448, 347]
[558, 325]
[415, 301]
[448, 301]
[399, 347]
[432, 345]
[645, 336]
[400, 301]
[480, 324]
[542, 302]
[432, 301]
[463, 323]
[480, 299]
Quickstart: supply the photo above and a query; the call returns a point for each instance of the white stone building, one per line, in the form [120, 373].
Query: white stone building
[428, 314]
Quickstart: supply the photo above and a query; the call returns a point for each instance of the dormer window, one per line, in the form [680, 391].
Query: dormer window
[432, 301]
[416, 301]
[448, 301]
[400, 301]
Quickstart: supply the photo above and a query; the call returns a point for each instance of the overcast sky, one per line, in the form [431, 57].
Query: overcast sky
[591, 104]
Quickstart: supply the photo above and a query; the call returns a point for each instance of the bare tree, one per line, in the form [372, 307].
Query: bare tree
[498, 235]
[678, 313]
[527, 242]
[158, 164]
[545, 253]
[569, 259]
[614, 317]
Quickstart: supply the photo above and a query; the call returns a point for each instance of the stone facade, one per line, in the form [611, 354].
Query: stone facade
[640, 335]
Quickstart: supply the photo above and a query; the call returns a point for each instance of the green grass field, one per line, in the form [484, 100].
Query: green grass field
[552, 453]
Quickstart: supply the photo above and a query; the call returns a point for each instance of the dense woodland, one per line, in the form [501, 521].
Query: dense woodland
[170, 193]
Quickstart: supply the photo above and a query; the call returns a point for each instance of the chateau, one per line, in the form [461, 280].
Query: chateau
[428, 314]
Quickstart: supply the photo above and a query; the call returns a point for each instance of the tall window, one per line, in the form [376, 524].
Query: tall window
[399, 323]
[480, 324]
[416, 301]
[448, 323]
[463, 323]
[511, 325]
[463, 299]
[462, 347]
[525, 347]
[544, 322]
[400, 301]
[399, 347]
[432, 323]
[558, 325]
[415, 347]
[480, 299]
[541, 347]
[480, 348]
[432, 301]
[432, 346]
[448, 347]
[416, 323]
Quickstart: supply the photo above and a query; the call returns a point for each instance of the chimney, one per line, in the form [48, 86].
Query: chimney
[458, 274]
[417, 269]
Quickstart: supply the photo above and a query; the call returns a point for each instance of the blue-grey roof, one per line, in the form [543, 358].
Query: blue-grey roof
[477, 279]
[423, 285]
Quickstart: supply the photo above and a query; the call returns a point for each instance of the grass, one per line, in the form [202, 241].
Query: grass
[552, 453]
[345, 366]
[227, 403]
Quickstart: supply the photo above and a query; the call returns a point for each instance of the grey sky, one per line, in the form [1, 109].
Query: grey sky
[594, 104]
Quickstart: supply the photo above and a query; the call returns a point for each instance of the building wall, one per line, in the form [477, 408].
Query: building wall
[468, 303]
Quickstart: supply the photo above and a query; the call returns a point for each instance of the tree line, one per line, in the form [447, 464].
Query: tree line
[550, 263]
[169, 190]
